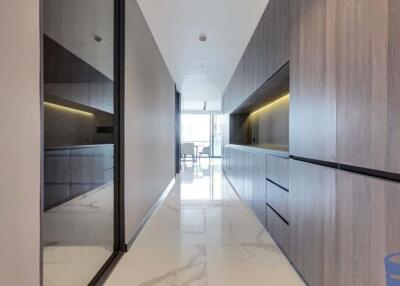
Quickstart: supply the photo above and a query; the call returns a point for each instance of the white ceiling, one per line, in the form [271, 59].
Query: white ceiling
[202, 70]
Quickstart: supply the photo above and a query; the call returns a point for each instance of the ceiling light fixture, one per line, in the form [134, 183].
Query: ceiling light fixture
[205, 105]
[97, 38]
[202, 38]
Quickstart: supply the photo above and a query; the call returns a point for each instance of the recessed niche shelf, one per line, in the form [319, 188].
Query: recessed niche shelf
[263, 118]
[275, 87]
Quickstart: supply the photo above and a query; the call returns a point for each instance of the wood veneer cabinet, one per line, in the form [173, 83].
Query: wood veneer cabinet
[279, 230]
[312, 94]
[278, 171]
[345, 82]
[260, 187]
[266, 53]
[367, 53]
[367, 229]
[342, 225]
[278, 199]
[312, 212]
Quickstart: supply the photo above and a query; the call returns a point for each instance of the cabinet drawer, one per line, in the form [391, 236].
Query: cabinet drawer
[278, 170]
[278, 229]
[278, 199]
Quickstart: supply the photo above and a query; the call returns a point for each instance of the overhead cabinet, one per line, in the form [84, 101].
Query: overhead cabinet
[266, 53]
[312, 94]
[367, 51]
[345, 82]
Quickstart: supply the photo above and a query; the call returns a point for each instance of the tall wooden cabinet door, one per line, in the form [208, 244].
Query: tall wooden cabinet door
[257, 50]
[312, 93]
[275, 22]
[368, 84]
[367, 229]
[312, 206]
[260, 187]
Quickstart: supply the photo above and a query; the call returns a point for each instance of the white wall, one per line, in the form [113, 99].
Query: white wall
[20, 143]
[149, 120]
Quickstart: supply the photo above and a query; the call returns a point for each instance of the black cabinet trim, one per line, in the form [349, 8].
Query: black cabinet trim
[279, 186]
[354, 169]
[278, 214]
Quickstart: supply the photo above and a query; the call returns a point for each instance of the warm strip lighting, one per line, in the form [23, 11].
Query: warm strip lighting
[272, 103]
[68, 109]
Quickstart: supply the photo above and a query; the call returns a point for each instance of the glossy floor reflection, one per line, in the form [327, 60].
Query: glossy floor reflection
[203, 235]
[78, 238]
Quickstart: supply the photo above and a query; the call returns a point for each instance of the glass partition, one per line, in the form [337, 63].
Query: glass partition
[78, 195]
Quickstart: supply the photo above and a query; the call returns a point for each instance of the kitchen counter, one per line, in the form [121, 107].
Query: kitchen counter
[274, 150]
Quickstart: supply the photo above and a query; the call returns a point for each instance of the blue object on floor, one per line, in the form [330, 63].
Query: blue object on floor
[392, 266]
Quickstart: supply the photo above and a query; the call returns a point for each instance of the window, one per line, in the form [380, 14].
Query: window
[204, 130]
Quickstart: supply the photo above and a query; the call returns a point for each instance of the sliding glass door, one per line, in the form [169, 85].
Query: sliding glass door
[204, 131]
[80, 124]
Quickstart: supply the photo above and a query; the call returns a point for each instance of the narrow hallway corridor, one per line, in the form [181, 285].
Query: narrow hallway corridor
[203, 234]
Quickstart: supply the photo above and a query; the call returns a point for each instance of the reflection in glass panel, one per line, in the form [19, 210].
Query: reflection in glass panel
[78, 230]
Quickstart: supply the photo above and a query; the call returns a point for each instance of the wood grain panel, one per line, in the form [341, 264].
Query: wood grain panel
[278, 170]
[393, 156]
[313, 99]
[361, 53]
[312, 198]
[367, 229]
[279, 230]
[265, 54]
[275, 24]
[278, 199]
[248, 170]
[239, 129]
[368, 74]
[260, 187]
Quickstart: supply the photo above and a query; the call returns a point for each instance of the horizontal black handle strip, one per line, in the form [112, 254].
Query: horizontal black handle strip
[359, 170]
[278, 214]
[276, 184]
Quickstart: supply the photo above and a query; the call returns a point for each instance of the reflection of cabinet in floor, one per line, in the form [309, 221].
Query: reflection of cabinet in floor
[73, 171]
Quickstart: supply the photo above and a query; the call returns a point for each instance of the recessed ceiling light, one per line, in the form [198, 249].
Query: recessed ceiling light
[202, 38]
[97, 38]
[205, 105]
